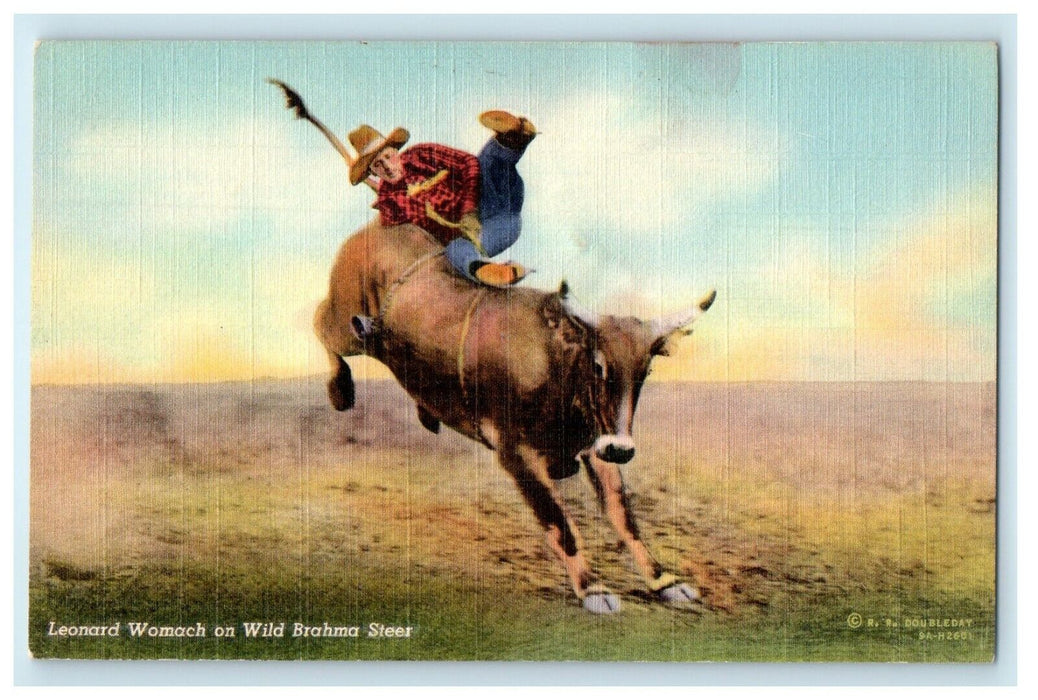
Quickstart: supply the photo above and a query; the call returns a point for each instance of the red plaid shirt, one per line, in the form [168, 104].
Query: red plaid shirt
[451, 195]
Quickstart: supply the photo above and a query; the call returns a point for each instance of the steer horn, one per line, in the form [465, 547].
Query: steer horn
[665, 325]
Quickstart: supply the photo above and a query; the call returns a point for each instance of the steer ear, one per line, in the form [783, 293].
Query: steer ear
[664, 345]
[668, 342]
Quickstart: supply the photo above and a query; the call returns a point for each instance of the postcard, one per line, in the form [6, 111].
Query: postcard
[506, 351]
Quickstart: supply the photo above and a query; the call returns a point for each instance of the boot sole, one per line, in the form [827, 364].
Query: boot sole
[502, 122]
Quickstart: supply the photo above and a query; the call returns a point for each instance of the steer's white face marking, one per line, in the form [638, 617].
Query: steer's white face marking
[621, 437]
[618, 447]
[625, 416]
[623, 442]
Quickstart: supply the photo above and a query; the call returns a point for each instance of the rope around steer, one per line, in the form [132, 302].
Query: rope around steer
[399, 281]
[465, 326]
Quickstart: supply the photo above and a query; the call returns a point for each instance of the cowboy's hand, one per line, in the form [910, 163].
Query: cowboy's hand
[472, 230]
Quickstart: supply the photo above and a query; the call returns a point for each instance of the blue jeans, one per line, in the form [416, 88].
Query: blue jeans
[500, 201]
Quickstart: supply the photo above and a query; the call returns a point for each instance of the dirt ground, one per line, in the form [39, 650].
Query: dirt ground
[753, 490]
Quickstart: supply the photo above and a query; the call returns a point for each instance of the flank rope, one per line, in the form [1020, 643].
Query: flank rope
[465, 327]
[399, 281]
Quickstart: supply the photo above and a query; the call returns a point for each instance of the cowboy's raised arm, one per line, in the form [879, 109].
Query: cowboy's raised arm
[295, 103]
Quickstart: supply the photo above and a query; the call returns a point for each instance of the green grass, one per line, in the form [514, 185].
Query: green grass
[370, 560]
[457, 620]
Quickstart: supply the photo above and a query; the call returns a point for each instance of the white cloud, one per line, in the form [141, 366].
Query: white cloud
[199, 179]
[601, 159]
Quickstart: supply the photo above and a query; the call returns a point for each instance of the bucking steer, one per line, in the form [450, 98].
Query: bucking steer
[548, 386]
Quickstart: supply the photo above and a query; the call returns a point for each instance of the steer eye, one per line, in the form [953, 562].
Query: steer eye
[600, 365]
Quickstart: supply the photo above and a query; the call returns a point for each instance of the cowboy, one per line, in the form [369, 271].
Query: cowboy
[469, 204]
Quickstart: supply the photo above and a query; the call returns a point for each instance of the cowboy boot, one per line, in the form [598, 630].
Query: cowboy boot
[512, 132]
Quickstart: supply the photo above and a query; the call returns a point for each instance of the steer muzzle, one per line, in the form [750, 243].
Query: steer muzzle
[617, 449]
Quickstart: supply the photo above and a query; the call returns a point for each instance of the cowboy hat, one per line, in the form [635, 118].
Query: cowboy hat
[368, 143]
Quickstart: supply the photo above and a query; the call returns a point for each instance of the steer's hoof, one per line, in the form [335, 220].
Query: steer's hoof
[601, 603]
[680, 595]
[341, 393]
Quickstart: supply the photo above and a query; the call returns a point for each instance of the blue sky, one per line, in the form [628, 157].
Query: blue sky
[840, 196]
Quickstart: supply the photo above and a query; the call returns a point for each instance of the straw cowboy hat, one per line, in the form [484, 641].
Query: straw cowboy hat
[368, 143]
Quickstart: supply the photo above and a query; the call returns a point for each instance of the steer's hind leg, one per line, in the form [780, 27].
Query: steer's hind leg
[530, 471]
[608, 483]
[336, 343]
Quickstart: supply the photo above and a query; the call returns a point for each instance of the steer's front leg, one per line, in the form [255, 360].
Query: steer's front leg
[530, 471]
[608, 483]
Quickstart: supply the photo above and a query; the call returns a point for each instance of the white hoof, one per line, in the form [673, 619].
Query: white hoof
[679, 594]
[601, 603]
